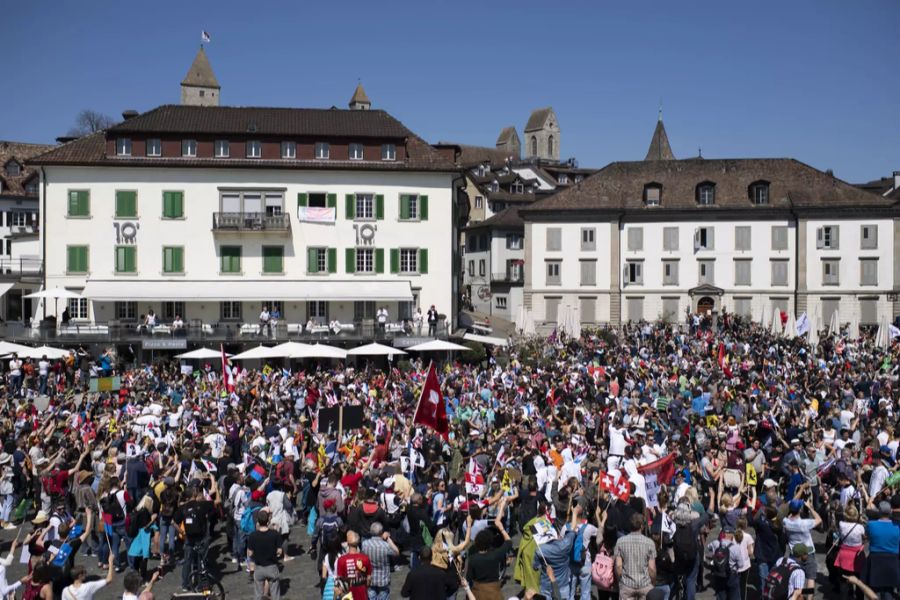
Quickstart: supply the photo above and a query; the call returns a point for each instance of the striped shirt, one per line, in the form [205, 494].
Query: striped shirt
[636, 551]
[379, 553]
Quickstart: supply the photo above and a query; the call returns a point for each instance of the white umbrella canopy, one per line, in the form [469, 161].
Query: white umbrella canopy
[814, 326]
[487, 339]
[320, 351]
[520, 318]
[293, 348]
[201, 354]
[834, 324]
[775, 325]
[575, 321]
[9, 348]
[883, 335]
[42, 351]
[562, 316]
[260, 353]
[529, 329]
[790, 328]
[56, 293]
[853, 329]
[437, 346]
[375, 349]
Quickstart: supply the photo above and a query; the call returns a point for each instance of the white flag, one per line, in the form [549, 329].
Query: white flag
[204, 37]
[802, 324]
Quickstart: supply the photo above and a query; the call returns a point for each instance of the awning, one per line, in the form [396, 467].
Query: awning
[485, 339]
[248, 290]
[5, 287]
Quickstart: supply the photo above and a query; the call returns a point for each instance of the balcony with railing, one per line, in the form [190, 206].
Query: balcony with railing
[15, 268]
[509, 276]
[251, 221]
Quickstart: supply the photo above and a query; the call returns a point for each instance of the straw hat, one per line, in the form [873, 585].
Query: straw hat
[41, 518]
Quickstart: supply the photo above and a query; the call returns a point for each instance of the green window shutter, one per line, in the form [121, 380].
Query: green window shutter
[173, 259]
[173, 205]
[379, 260]
[178, 259]
[79, 203]
[379, 207]
[332, 260]
[311, 260]
[350, 199]
[423, 208]
[231, 259]
[423, 261]
[395, 260]
[331, 200]
[404, 207]
[76, 259]
[302, 199]
[73, 204]
[273, 259]
[350, 255]
[126, 204]
[126, 259]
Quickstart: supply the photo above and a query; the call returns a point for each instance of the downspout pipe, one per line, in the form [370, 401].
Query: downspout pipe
[43, 209]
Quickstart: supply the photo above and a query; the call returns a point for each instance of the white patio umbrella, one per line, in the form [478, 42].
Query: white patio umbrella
[834, 324]
[487, 339]
[201, 354]
[520, 319]
[814, 325]
[42, 351]
[375, 349]
[437, 346]
[529, 328]
[775, 325]
[562, 312]
[853, 329]
[883, 335]
[760, 316]
[574, 319]
[790, 328]
[9, 348]
[56, 294]
[320, 351]
[260, 353]
[293, 348]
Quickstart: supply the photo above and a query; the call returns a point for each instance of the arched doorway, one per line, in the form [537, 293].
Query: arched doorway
[705, 305]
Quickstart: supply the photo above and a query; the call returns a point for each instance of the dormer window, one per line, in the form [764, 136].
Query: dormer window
[759, 193]
[579, 179]
[13, 168]
[518, 188]
[322, 150]
[223, 149]
[652, 194]
[154, 147]
[495, 186]
[254, 149]
[123, 147]
[706, 193]
[31, 186]
[356, 151]
[563, 179]
[189, 148]
[388, 152]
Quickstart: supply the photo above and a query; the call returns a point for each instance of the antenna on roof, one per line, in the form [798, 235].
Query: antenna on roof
[659, 118]
[699, 151]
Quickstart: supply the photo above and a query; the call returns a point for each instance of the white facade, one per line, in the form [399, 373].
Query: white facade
[495, 270]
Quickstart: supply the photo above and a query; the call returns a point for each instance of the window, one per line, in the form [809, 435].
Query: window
[76, 259]
[534, 146]
[550, 146]
[172, 309]
[563, 179]
[479, 202]
[223, 149]
[779, 273]
[635, 238]
[31, 186]
[514, 241]
[288, 149]
[356, 151]
[79, 203]
[500, 302]
[670, 312]
[471, 268]
[13, 168]
[588, 272]
[481, 267]
[274, 203]
[554, 239]
[759, 193]
[363, 309]
[495, 186]
[634, 273]
[409, 260]
[317, 311]
[322, 150]
[365, 260]
[704, 238]
[779, 237]
[588, 239]
[742, 238]
[19, 218]
[829, 307]
[173, 259]
[230, 310]
[635, 309]
[409, 207]
[189, 148]
[388, 152]
[706, 194]
[78, 308]
[123, 147]
[707, 269]
[126, 204]
[551, 308]
[868, 311]
[517, 188]
[827, 237]
[588, 309]
[365, 206]
[579, 179]
[321, 260]
[154, 147]
[254, 149]
[126, 259]
[742, 272]
[173, 205]
[831, 272]
[670, 272]
[553, 272]
[868, 271]
[230, 259]
[318, 200]
[514, 270]
[868, 236]
[742, 307]
[273, 259]
[652, 194]
[670, 238]
[126, 311]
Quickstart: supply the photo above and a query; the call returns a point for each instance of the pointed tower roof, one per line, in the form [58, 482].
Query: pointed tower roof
[507, 134]
[659, 145]
[201, 74]
[359, 97]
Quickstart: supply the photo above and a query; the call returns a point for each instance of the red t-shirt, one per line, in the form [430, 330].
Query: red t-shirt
[351, 484]
[354, 568]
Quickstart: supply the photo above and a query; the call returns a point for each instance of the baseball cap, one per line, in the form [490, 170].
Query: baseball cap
[795, 506]
[767, 483]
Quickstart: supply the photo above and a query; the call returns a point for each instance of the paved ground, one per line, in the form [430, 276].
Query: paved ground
[299, 577]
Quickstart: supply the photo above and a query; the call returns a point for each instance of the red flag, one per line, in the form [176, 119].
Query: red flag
[607, 482]
[664, 469]
[622, 490]
[227, 375]
[721, 355]
[432, 410]
[551, 396]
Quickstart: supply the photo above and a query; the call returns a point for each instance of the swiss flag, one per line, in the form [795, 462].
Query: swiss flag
[474, 479]
[617, 485]
[607, 481]
[432, 410]
[623, 489]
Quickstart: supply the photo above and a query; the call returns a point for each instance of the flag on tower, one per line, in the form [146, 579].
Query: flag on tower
[204, 37]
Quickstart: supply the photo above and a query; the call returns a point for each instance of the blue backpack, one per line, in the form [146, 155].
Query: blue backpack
[248, 519]
[578, 553]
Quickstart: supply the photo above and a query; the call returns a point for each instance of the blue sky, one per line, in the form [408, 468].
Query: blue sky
[818, 80]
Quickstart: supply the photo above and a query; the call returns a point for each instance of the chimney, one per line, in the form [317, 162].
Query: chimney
[897, 180]
[129, 114]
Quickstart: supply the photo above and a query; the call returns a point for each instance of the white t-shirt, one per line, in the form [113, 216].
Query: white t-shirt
[15, 366]
[852, 534]
[877, 479]
[85, 591]
[43, 367]
[798, 531]
[616, 441]
[745, 544]
[846, 418]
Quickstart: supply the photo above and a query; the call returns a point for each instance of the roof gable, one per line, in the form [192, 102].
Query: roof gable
[201, 74]
[539, 118]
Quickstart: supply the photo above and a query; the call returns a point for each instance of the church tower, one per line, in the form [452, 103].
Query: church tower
[508, 142]
[200, 86]
[659, 146]
[359, 101]
[542, 135]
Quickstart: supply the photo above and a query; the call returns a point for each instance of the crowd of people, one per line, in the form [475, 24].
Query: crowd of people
[648, 462]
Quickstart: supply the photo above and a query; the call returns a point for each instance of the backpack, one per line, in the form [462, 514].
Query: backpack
[248, 519]
[330, 527]
[602, 570]
[194, 521]
[685, 548]
[577, 555]
[111, 506]
[777, 582]
[720, 565]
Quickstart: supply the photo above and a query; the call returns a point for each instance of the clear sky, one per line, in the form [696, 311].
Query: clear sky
[818, 80]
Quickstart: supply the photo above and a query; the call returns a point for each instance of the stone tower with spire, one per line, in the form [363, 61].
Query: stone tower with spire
[508, 142]
[659, 146]
[359, 101]
[200, 86]
[542, 135]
